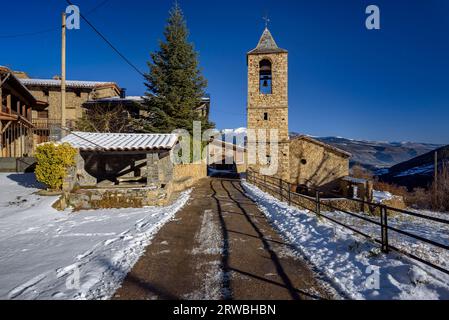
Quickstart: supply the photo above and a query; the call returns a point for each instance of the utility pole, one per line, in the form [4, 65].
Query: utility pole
[63, 75]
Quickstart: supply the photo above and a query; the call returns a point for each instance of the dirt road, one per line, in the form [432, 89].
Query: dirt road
[220, 246]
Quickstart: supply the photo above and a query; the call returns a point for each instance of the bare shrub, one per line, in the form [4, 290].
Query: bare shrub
[391, 188]
[440, 190]
[360, 172]
[99, 118]
[419, 198]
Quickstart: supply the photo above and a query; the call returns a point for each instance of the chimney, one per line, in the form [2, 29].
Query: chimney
[56, 77]
[123, 93]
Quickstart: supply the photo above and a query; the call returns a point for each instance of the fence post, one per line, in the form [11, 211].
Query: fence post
[280, 189]
[384, 228]
[318, 204]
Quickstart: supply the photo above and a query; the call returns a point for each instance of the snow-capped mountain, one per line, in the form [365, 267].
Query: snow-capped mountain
[375, 154]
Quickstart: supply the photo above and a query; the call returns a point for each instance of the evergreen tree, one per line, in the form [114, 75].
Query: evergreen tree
[175, 83]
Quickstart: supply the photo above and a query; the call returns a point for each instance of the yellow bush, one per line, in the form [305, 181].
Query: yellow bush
[52, 163]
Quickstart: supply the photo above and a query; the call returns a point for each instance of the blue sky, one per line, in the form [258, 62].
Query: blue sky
[390, 85]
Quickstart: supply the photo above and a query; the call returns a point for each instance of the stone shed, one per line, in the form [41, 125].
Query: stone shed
[122, 159]
[119, 170]
[316, 164]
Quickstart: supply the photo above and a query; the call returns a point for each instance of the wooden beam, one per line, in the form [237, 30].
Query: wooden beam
[1, 136]
[6, 127]
[8, 103]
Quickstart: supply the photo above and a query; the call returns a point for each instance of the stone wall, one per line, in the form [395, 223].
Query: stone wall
[87, 199]
[314, 165]
[186, 175]
[17, 164]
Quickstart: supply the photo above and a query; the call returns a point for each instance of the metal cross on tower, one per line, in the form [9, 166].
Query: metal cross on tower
[267, 21]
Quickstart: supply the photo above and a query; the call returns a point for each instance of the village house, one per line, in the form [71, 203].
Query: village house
[78, 92]
[16, 127]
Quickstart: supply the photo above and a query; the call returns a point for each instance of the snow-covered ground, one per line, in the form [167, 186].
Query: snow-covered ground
[380, 196]
[46, 254]
[355, 266]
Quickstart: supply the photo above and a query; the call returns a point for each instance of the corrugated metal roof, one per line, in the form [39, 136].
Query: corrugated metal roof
[86, 141]
[69, 83]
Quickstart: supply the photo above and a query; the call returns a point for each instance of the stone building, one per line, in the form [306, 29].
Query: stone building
[121, 170]
[47, 119]
[110, 159]
[302, 161]
[314, 163]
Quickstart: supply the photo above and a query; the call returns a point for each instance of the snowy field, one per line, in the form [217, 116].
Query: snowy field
[46, 254]
[354, 266]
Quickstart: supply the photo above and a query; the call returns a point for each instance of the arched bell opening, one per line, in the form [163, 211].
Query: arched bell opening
[265, 77]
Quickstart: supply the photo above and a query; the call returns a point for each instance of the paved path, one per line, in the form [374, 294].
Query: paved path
[220, 247]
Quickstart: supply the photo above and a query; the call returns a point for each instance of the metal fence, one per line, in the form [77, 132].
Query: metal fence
[283, 191]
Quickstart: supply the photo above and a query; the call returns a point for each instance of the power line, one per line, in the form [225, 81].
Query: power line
[109, 43]
[28, 34]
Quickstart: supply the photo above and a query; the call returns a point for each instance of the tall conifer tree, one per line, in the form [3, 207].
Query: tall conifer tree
[175, 83]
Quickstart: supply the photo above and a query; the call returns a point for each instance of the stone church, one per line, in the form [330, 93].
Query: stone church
[302, 160]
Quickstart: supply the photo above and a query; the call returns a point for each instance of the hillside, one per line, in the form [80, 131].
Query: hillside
[417, 172]
[375, 155]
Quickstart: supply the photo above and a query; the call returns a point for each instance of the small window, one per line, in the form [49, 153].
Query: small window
[303, 161]
[268, 159]
[265, 116]
[46, 93]
[78, 93]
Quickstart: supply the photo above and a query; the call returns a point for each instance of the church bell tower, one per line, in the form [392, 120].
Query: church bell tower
[268, 103]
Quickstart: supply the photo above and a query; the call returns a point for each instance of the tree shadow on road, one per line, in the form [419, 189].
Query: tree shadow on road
[295, 294]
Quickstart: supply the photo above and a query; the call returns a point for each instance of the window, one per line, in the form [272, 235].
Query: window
[78, 93]
[303, 161]
[268, 159]
[46, 93]
[42, 114]
[265, 116]
[265, 77]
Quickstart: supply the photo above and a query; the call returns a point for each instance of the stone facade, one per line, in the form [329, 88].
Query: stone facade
[267, 111]
[186, 175]
[315, 164]
[86, 199]
[75, 98]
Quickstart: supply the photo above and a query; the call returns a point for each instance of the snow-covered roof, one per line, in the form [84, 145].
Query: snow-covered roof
[86, 141]
[69, 83]
[137, 99]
